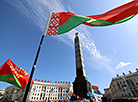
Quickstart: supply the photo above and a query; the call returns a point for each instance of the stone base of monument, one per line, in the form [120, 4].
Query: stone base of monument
[81, 86]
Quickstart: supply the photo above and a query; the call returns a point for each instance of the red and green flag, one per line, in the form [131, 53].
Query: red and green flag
[115, 16]
[96, 89]
[72, 94]
[11, 73]
[78, 97]
[62, 22]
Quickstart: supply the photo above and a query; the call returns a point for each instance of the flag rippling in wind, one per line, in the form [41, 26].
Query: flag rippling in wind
[72, 94]
[96, 92]
[62, 22]
[90, 95]
[78, 97]
[11, 73]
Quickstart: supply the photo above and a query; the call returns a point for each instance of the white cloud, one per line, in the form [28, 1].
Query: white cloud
[122, 64]
[37, 11]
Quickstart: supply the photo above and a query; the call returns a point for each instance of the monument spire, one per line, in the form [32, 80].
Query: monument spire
[81, 85]
[80, 69]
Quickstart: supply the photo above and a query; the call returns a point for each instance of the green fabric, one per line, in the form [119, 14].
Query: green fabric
[126, 19]
[71, 23]
[72, 95]
[6, 78]
[95, 22]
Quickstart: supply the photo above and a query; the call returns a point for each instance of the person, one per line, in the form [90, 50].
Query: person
[84, 100]
[94, 100]
[91, 100]
[81, 100]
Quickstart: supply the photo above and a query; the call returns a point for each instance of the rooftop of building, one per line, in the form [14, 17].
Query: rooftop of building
[126, 75]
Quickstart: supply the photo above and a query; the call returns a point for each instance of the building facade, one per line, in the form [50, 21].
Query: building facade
[44, 91]
[123, 87]
[12, 93]
[40, 92]
[2, 92]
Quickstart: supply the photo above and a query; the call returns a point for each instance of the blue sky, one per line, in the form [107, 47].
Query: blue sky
[107, 51]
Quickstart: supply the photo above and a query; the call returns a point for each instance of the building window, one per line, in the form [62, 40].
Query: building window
[120, 90]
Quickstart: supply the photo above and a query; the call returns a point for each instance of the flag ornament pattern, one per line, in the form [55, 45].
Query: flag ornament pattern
[53, 24]
[62, 22]
[11, 73]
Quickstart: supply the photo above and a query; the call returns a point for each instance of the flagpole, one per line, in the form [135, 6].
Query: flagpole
[33, 68]
[34, 65]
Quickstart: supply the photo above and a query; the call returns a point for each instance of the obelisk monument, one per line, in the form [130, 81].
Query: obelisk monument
[81, 85]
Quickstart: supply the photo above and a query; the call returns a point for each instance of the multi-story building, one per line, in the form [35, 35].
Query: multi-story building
[123, 87]
[12, 93]
[2, 92]
[44, 91]
[40, 91]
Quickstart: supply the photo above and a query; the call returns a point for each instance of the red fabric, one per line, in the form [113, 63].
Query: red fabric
[72, 93]
[11, 68]
[78, 97]
[118, 13]
[56, 20]
[64, 16]
[95, 87]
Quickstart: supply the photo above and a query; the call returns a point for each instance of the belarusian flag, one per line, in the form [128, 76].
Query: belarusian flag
[96, 89]
[11, 73]
[115, 16]
[78, 97]
[62, 22]
[72, 94]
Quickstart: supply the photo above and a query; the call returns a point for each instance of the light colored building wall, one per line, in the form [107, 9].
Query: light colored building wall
[2, 91]
[125, 86]
[12, 93]
[41, 91]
